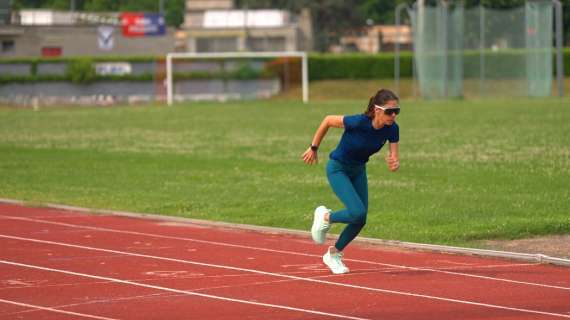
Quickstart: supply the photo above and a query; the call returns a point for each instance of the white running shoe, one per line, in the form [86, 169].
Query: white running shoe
[334, 262]
[320, 226]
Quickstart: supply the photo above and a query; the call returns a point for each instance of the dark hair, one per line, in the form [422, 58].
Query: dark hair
[379, 99]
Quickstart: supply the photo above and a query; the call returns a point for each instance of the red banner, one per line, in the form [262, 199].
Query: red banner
[136, 24]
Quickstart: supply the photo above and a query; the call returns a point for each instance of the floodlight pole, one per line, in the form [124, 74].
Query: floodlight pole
[399, 9]
[481, 49]
[169, 83]
[559, 60]
[305, 73]
[445, 12]
[418, 7]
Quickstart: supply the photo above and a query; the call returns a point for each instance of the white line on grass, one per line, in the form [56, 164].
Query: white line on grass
[190, 293]
[403, 293]
[54, 310]
[285, 252]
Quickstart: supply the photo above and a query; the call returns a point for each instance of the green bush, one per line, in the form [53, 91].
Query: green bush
[246, 72]
[81, 71]
[503, 64]
[321, 67]
[357, 66]
[381, 66]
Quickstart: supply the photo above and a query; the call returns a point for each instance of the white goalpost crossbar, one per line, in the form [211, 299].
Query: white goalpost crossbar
[191, 55]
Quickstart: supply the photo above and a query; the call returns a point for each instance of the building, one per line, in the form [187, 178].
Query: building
[215, 26]
[378, 38]
[34, 33]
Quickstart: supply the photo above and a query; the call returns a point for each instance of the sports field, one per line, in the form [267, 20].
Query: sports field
[469, 169]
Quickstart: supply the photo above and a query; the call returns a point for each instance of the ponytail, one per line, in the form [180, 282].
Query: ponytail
[369, 112]
[379, 99]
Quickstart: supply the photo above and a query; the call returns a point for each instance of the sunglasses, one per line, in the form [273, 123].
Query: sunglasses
[389, 111]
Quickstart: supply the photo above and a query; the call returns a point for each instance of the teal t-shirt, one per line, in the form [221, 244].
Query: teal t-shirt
[360, 140]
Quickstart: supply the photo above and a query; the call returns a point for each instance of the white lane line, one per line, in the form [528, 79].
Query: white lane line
[54, 310]
[403, 293]
[216, 277]
[156, 295]
[74, 305]
[190, 293]
[288, 252]
[473, 268]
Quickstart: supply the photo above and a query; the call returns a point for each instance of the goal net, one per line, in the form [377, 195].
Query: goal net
[236, 76]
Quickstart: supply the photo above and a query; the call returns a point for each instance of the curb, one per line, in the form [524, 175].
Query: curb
[527, 257]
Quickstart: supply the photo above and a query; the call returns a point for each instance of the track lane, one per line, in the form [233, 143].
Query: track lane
[202, 250]
[127, 299]
[263, 289]
[289, 245]
[82, 263]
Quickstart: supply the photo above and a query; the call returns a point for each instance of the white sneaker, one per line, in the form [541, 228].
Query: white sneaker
[320, 226]
[334, 262]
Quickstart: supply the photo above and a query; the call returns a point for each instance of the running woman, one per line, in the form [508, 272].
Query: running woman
[364, 135]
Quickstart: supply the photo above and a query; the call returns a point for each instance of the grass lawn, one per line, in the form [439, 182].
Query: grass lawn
[470, 170]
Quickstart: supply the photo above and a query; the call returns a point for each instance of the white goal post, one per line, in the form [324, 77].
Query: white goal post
[222, 55]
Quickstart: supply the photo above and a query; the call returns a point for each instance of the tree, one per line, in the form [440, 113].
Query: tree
[100, 5]
[174, 14]
[566, 21]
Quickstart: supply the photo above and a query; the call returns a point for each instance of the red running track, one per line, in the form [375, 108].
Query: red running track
[57, 264]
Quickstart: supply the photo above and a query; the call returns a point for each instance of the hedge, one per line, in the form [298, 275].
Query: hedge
[357, 66]
[381, 66]
[321, 66]
[82, 70]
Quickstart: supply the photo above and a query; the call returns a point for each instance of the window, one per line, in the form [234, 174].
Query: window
[7, 46]
[266, 43]
[219, 44]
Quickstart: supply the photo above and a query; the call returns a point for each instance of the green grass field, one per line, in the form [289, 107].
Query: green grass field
[470, 170]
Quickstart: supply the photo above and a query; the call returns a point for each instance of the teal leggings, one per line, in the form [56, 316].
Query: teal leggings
[350, 184]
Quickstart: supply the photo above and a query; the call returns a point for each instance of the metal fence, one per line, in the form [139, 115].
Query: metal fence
[479, 52]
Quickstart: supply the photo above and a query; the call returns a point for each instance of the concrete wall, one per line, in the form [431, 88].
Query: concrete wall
[83, 41]
[109, 92]
[15, 69]
[60, 68]
[55, 68]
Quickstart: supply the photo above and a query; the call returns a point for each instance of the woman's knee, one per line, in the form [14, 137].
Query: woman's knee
[358, 215]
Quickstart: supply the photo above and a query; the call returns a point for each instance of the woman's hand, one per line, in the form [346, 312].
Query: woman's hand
[310, 156]
[393, 163]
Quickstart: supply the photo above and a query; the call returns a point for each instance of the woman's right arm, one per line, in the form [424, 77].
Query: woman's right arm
[310, 156]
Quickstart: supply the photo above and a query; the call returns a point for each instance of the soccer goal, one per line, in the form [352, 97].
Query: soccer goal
[235, 76]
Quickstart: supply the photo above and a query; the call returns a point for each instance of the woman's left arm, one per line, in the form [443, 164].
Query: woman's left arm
[393, 158]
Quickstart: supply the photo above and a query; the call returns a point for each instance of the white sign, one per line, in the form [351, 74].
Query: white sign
[242, 18]
[265, 18]
[36, 17]
[105, 37]
[113, 68]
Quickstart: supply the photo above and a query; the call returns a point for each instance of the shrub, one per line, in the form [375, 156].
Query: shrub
[81, 70]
